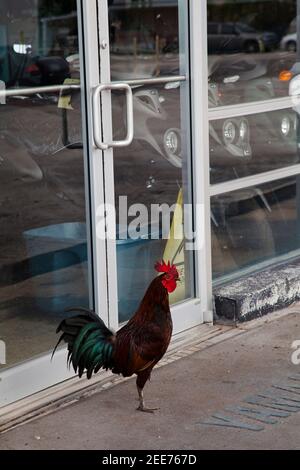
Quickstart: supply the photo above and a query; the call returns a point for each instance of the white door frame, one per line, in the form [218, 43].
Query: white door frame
[200, 142]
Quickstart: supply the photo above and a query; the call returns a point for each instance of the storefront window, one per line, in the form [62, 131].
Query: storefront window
[252, 58]
[254, 226]
[252, 47]
[253, 83]
[246, 145]
[43, 242]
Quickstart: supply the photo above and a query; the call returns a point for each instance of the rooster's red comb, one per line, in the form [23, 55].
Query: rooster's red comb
[162, 267]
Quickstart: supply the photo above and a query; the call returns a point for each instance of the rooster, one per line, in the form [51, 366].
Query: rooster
[136, 348]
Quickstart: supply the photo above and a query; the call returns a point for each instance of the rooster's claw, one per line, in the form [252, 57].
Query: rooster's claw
[147, 410]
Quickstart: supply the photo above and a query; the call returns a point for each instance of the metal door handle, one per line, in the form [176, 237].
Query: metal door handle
[96, 116]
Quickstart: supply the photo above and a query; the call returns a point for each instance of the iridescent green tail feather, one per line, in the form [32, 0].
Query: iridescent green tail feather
[90, 342]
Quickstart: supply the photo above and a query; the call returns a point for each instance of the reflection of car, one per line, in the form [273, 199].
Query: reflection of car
[289, 42]
[238, 37]
[236, 144]
[22, 68]
[144, 170]
[157, 122]
[273, 135]
[250, 226]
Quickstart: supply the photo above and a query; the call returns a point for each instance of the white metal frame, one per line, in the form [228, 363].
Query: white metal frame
[253, 180]
[253, 107]
[200, 141]
[90, 66]
[108, 164]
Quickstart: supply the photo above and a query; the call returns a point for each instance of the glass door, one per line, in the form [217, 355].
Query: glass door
[48, 169]
[96, 172]
[145, 92]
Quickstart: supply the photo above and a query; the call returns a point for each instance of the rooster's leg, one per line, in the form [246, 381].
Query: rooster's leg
[142, 406]
[140, 382]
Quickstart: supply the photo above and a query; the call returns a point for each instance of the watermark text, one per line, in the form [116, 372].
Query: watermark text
[152, 222]
[295, 358]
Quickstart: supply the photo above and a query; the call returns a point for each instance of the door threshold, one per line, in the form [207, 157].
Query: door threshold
[73, 390]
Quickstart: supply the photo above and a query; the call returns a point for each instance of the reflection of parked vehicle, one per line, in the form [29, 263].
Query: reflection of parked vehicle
[273, 135]
[250, 226]
[238, 37]
[24, 69]
[157, 120]
[238, 146]
[243, 222]
[289, 41]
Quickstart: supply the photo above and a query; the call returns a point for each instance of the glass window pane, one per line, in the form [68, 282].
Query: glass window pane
[255, 225]
[212, 28]
[43, 242]
[248, 145]
[144, 38]
[154, 171]
[254, 47]
[227, 28]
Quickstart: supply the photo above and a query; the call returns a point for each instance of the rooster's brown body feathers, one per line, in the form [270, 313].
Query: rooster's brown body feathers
[135, 349]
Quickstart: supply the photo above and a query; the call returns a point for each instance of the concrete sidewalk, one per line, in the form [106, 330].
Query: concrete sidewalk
[189, 393]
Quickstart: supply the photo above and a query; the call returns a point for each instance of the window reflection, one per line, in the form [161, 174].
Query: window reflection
[250, 44]
[43, 243]
[252, 144]
[151, 171]
[254, 225]
[155, 169]
[253, 58]
[144, 38]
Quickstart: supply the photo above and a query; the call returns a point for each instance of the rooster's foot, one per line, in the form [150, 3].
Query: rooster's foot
[142, 406]
[146, 410]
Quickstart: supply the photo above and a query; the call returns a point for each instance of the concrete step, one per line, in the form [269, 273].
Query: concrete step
[258, 294]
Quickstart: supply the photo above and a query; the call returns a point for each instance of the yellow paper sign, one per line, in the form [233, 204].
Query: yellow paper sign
[174, 250]
[65, 99]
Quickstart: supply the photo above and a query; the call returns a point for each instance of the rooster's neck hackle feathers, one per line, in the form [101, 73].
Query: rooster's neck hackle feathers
[155, 296]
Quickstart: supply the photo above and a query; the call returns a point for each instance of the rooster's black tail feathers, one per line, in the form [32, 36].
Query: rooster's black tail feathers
[90, 342]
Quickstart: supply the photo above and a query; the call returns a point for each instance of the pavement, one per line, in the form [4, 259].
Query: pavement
[193, 393]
